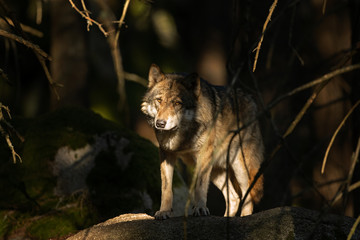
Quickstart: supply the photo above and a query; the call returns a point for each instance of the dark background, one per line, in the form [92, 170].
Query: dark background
[215, 39]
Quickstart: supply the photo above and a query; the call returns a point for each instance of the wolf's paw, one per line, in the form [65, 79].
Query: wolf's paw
[201, 211]
[162, 215]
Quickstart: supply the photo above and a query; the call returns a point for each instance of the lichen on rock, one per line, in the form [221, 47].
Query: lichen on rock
[72, 166]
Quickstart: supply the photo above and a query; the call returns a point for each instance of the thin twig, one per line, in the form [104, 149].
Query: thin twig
[315, 82]
[54, 85]
[352, 231]
[4, 76]
[26, 28]
[121, 21]
[352, 187]
[6, 135]
[324, 6]
[118, 61]
[12, 149]
[322, 80]
[120, 76]
[89, 19]
[355, 157]
[12, 129]
[136, 78]
[39, 8]
[27, 43]
[40, 54]
[303, 111]
[340, 194]
[87, 13]
[296, 53]
[335, 134]
[113, 35]
[268, 19]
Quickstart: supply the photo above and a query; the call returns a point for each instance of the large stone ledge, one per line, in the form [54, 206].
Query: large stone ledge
[278, 223]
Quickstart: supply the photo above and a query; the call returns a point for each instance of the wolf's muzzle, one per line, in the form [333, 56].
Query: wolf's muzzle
[160, 123]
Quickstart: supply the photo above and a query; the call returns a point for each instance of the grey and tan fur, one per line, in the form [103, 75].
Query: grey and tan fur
[194, 121]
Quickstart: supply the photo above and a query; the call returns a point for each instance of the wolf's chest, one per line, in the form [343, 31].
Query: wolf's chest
[177, 141]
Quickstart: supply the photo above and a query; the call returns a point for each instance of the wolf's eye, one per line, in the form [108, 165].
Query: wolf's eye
[158, 100]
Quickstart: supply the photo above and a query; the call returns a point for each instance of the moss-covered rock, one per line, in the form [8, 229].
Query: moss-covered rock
[77, 169]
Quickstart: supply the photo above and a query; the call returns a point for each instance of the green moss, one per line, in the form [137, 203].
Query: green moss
[29, 187]
[11, 221]
[74, 127]
[290, 236]
[50, 227]
[61, 223]
[5, 224]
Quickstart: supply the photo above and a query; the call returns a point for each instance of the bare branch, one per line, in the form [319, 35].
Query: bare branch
[324, 6]
[296, 53]
[315, 82]
[4, 76]
[13, 152]
[40, 54]
[135, 78]
[53, 85]
[268, 19]
[352, 187]
[27, 43]
[87, 13]
[323, 81]
[355, 158]
[121, 21]
[335, 134]
[3, 132]
[352, 231]
[26, 28]
[302, 112]
[113, 40]
[88, 18]
[39, 10]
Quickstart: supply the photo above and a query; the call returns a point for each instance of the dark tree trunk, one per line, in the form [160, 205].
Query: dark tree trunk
[68, 49]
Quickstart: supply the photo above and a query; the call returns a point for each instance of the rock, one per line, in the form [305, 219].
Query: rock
[278, 223]
[77, 170]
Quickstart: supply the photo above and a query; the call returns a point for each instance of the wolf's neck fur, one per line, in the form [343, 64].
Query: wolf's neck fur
[179, 141]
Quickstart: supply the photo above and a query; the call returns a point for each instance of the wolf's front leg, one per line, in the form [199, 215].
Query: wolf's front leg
[201, 189]
[167, 170]
[202, 173]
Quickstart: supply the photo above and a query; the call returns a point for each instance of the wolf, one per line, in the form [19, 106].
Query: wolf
[210, 127]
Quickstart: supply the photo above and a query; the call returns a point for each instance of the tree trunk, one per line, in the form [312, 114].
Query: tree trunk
[68, 49]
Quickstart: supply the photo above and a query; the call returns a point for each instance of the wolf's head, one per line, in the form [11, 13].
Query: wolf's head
[170, 101]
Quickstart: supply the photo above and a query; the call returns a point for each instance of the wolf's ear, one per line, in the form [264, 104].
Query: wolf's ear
[192, 82]
[155, 75]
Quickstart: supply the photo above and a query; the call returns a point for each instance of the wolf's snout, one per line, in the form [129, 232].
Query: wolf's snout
[160, 123]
